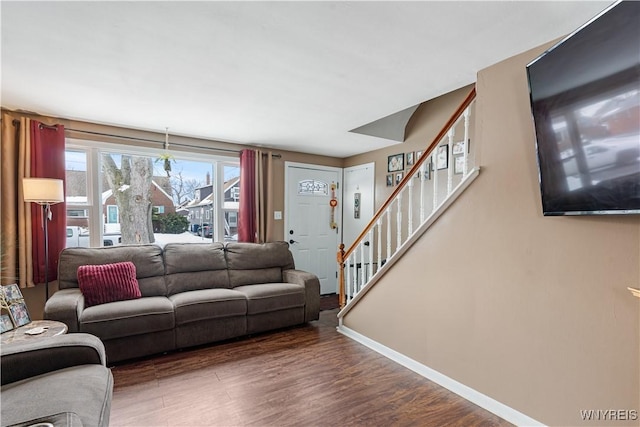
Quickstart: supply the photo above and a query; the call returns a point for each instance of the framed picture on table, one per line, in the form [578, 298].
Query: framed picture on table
[19, 314]
[5, 323]
[12, 293]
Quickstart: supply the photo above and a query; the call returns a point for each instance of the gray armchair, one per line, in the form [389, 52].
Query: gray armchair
[62, 380]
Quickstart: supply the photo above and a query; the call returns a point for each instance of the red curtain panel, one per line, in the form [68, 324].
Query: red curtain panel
[47, 161]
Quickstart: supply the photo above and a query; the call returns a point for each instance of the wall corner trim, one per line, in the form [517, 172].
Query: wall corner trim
[503, 411]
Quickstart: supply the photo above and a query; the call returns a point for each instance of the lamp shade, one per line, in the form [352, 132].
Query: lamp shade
[43, 190]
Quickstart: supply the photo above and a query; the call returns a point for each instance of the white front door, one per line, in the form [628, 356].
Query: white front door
[312, 225]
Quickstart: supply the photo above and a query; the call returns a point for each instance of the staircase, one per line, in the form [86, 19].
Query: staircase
[443, 171]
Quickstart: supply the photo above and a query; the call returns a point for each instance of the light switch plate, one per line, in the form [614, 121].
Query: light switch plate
[277, 215]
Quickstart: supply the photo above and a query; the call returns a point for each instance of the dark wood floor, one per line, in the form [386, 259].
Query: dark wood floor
[305, 376]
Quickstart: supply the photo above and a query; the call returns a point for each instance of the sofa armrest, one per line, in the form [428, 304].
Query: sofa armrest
[65, 306]
[27, 359]
[312, 291]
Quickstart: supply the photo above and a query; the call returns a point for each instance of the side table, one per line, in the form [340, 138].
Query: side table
[24, 333]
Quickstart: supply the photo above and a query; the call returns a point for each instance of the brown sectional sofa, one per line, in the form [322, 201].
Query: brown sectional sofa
[192, 294]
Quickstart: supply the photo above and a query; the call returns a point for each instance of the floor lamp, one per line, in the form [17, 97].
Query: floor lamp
[45, 192]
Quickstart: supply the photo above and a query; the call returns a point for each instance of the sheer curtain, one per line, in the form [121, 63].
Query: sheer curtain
[256, 190]
[29, 149]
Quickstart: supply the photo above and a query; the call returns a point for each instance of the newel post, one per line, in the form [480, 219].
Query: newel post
[340, 257]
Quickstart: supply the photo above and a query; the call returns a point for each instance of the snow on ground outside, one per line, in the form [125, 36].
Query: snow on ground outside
[186, 237]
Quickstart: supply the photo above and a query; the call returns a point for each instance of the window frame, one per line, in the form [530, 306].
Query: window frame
[94, 205]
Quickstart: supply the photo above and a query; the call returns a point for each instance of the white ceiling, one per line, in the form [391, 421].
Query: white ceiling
[290, 75]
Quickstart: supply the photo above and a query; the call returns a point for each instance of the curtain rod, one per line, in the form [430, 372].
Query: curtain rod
[132, 138]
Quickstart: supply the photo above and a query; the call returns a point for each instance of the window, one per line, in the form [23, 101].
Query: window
[310, 187]
[77, 195]
[99, 186]
[112, 214]
[231, 201]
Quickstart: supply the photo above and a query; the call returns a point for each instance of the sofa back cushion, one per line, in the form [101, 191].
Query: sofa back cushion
[195, 266]
[147, 259]
[251, 263]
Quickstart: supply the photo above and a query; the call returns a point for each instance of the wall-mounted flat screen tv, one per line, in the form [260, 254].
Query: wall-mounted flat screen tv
[585, 100]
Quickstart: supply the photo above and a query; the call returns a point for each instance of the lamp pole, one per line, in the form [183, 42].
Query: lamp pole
[46, 212]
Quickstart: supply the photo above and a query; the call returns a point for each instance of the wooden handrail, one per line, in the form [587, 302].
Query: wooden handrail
[452, 120]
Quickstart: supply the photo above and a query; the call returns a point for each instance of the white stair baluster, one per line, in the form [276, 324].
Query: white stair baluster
[467, 112]
[362, 265]
[422, 181]
[435, 185]
[410, 208]
[379, 225]
[354, 259]
[370, 263]
[399, 222]
[388, 213]
[347, 279]
[451, 161]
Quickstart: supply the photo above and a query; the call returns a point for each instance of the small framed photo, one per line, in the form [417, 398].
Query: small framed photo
[12, 293]
[410, 157]
[418, 155]
[442, 157]
[390, 180]
[458, 147]
[19, 314]
[5, 323]
[399, 177]
[395, 163]
[458, 165]
[426, 171]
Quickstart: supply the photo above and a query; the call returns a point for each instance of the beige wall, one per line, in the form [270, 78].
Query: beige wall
[532, 311]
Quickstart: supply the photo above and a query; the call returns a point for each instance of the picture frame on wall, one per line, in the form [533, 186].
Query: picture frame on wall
[458, 165]
[442, 157]
[6, 324]
[390, 180]
[458, 148]
[399, 177]
[419, 154]
[410, 159]
[426, 171]
[395, 163]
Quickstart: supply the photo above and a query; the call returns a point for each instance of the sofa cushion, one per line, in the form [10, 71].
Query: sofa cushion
[108, 282]
[147, 259]
[267, 297]
[257, 263]
[208, 304]
[125, 318]
[85, 390]
[194, 266]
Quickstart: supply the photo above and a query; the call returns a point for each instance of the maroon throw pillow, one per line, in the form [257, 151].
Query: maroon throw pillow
[105, 283]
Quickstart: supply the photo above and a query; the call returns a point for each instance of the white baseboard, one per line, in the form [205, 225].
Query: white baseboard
[473, 396]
